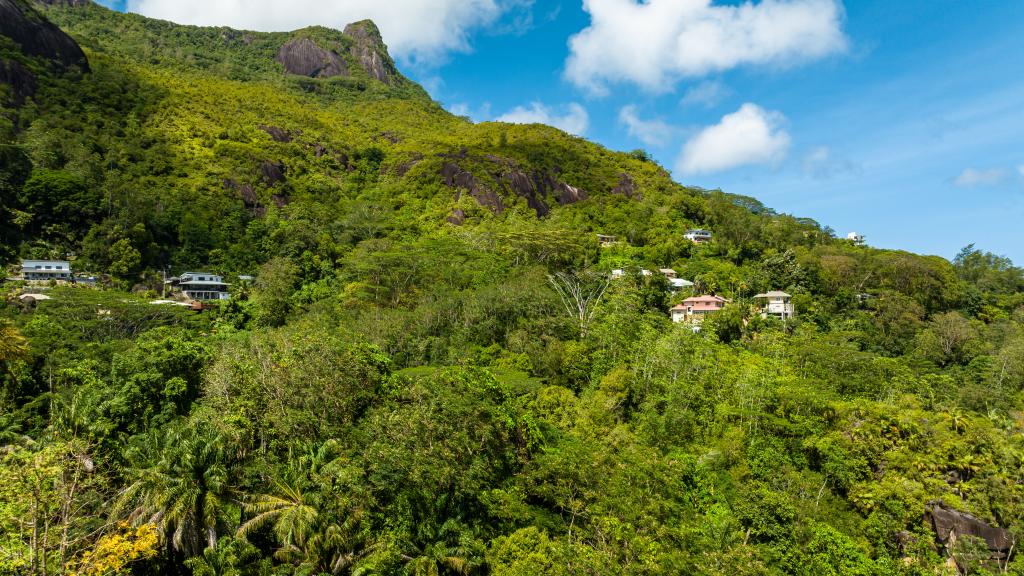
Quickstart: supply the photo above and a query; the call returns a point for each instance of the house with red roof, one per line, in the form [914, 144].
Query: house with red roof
[695, 308]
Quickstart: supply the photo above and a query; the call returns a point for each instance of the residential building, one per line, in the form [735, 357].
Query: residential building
[37, 270]
[778, 304]
[668, 273]
[201, 286]
[604, 240]
[696, 308]
[679, 284]
[618, 273]
[698, 236]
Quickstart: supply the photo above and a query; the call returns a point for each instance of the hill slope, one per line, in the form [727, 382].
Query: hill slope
[434, 371]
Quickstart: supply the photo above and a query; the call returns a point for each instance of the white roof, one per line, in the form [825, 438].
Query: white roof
[35, 297]
[773, 294]
[680, 282]
[666, 271]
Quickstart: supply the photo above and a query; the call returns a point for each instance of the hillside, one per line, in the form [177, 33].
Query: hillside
[436, 370]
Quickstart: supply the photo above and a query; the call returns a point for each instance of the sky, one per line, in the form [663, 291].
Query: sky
[902, 121]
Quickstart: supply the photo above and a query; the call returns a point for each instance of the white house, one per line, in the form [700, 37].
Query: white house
[46, 270]
[668, 272]
[698, 236]
[618, 273]
[201, 286]
[857, 239]
[678, 284]
[606, 240]
[778, 304]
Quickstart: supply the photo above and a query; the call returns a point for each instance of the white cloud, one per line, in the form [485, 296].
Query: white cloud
[1020, 169]
[416, 31]
[751, 135]
[972, 177]
[650, 132]
[573, 120]
[821, 164]
[653, 43]
[708, 93]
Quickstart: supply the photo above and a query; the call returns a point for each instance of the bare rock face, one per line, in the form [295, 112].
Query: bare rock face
[523, 186]
[627, 187]
[304, 57]
[369, 50]
[457, 217]
[272, 172]
[22, 81]
[279, 134]
[949, 525]
[37, 36]
[456, 177]
[570, 194]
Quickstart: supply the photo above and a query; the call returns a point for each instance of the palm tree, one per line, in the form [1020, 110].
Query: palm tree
[12, 343]
[182, 488]
[308, 538]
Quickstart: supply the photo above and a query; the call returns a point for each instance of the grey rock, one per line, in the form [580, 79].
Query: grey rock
[37, 36]
[369, 50]
[304, 57]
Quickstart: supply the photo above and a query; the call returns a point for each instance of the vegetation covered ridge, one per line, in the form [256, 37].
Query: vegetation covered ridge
[272, 311]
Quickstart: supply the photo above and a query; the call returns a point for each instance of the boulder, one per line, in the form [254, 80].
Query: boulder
[949, 525]
[39, 37]
[304, 57]
[272, 172]
[627, 186]
[278, 134]
[456, 177]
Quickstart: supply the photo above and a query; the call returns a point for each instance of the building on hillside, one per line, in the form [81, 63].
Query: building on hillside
[618, 273]
[605, 240]
[679, 284]
[200, 286]
[40, 270]
[696, 308]
[857, 239]
[777, 304]
[668, 273]
[698, 236]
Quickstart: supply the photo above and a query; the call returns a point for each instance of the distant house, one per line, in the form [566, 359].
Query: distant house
[37, 270]
[201, 286]
[668, 272]
[604, 240]
[698, 236]
[678, 284]
[696, 308]
[618, 273]
[778, 304]
[857, 239]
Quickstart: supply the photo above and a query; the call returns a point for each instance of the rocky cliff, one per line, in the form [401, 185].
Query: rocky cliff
[369, 51]
[37, 36]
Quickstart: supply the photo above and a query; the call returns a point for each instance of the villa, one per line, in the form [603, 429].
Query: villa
[44, 270]
[696, 308]
[201, 286]
[777, 304]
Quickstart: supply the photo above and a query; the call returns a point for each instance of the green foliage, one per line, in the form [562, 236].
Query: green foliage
[433, 372]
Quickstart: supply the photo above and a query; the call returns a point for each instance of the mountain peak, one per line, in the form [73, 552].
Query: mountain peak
[37, 36]
[369, 50]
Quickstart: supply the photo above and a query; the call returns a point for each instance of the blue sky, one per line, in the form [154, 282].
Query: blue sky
[903, 121]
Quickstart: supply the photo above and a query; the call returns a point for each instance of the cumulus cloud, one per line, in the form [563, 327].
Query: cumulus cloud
[416, 31]
[972, 177]
[751, 135]
[573, 119]
[653, 43]
[708, 93]
[651, 132]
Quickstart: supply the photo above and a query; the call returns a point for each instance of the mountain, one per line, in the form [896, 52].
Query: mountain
[448, 347]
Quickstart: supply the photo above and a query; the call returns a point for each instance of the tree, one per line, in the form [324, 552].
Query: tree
[125, 260]
[180, 483]
[13, 346]
[275, 285]
[580, 295]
